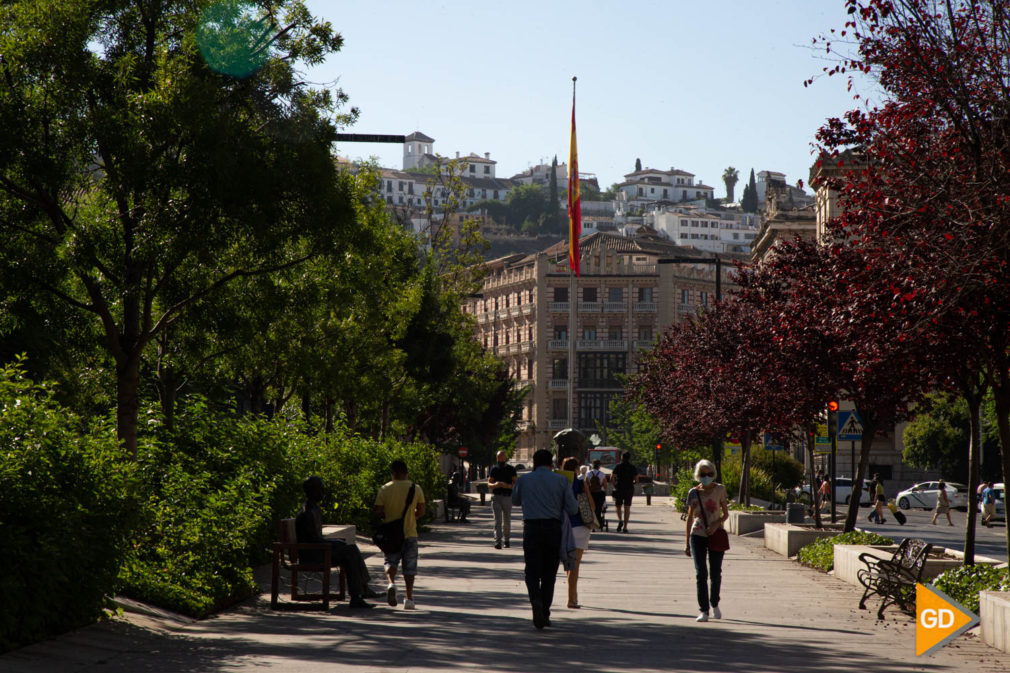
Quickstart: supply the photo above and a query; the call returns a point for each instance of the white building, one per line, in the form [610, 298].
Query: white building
[645, 187]
[711, 230]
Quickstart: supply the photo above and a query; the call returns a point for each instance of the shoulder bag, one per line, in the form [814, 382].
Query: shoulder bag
[389, 536]
[719, 540]
[587, 511]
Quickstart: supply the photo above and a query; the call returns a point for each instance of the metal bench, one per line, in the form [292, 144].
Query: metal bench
[894, 579]
[285, 559]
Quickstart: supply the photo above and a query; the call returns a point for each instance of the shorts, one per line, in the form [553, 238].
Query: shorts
[881, 499]
[623, 497]
[581, 535]
[989, 509]
[407, 555]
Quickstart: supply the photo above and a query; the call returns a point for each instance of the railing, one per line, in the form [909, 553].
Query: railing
[515, 311]
[557, 344]
[558, 384]
[589, 307]
[527, 347]
[614, 307]
[603, 344]
[514, 348]
[641, 344]
[558, 306]
[527, 309]
[645, 307]
[557, 423]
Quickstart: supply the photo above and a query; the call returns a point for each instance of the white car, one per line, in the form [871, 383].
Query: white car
[925, 493]
[1000, 489]
[843, 492]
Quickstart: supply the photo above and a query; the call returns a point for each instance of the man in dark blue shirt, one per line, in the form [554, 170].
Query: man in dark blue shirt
[624, 477]
[544, 497]
[500, 480]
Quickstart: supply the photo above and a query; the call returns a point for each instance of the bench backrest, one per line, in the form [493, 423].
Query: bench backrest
[912, 554]
[286, 534]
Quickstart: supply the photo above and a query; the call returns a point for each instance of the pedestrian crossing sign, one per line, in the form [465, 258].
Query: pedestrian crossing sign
[850, 427]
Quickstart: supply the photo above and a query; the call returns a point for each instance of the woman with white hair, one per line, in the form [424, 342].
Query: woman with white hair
[707, 508]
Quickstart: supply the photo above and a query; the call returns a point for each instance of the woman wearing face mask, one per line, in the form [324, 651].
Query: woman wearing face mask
[707, 508]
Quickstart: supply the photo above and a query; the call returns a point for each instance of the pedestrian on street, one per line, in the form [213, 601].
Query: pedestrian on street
[390, 504]
[596, 479]
[825, 493]
[501, 480]
[707, 508]
[545, 497]
[988, 503]
[880, 499]
[942, 504]
[580, 531]
[624, 477]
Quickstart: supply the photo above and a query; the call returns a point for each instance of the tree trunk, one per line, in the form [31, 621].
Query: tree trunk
[717, 449]
[813, 485]
[385, 419]
[128, 402]
[869, 432]
[974, 451]
[745, 464]
[328, 413]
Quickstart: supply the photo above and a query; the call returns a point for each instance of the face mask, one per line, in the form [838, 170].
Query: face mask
[705, 481]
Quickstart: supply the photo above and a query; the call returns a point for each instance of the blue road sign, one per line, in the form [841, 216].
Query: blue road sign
[771, 444]
[850, 428]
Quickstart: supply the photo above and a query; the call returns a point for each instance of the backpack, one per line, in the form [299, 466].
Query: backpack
[595, 485]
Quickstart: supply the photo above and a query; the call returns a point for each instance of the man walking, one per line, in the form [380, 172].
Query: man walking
[988, 503]
[545, 497]
[390, 504]
[624, 476]
[597, 481]
[501, 480]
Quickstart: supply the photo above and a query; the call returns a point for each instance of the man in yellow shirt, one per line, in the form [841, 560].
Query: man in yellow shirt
[390, 504]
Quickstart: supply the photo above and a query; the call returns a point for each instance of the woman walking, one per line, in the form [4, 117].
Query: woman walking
[942, 504]
[580, 531]
[707, 508]
[880, 499]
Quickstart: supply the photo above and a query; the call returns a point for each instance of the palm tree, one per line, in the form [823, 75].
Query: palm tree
[730, 176]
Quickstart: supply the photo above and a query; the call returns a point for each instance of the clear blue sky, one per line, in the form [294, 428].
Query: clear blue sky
[696, 85]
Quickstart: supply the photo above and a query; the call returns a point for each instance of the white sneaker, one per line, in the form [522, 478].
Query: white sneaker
[408, 604]
[716, 613]
[703, 617]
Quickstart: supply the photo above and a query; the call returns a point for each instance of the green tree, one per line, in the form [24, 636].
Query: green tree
[154, 153]
[749, 200]
[730, 177]
[638, 165]
[937, 438]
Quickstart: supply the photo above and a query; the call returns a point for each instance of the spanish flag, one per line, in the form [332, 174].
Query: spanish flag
[574, 207]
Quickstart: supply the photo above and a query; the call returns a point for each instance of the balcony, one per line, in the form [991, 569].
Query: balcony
[644, 344]
[558, 384]
[558, 306]
[557, 344]
[515, 348]
[515, 311]
[557, 424]
[645, 307]
[527, 309]
[527, 347]
[614, 307]
[603, 344]
[589, 306]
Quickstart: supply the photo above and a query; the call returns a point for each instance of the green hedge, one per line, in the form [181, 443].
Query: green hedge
[963, 584]
[821, 554]
[65, 513]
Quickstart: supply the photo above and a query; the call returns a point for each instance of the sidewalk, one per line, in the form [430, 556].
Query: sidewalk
[637, 590]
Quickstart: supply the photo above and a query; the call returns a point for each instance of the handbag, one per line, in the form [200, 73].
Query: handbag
[719, 540]
[389, 536]
[587, 511]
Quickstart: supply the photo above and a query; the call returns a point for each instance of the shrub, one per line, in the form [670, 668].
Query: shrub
[821, 554]
[684, 482]
[963, 584]
[784, 470]
[64, 513]
[761, 484]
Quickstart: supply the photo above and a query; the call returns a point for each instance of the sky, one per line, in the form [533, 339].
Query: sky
[696, 85]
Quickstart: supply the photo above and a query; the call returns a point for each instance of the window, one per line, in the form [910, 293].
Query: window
[529, 370]
[685, 296]
[645, 294]
[615, 294]
[531, 297]
[641, 191]
[589, 295]
[589, 333]
[473, 169]
[559, 408]
[561, 332]
[560, 293]
[665, 194]
[389, 185]
[496, 194]
[487, 170]
[599, 370]
[531, 334]
[645, 332]
[399, 186]
[704, 298]
[594, 409]
[559, 368]
[614, 332]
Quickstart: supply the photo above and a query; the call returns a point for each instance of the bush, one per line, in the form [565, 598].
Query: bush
[784, 470]
[761, 484]
[684, 482]
[821, 554]
[963, 584]
[64, 513]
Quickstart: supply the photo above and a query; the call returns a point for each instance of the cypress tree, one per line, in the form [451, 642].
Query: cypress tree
[749, 201]
[638, 165]
[552, 215]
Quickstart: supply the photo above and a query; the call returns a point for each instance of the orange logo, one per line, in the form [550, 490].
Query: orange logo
[938, 619]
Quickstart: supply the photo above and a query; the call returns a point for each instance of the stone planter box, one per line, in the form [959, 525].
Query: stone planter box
[788, 538]
[741, 522]
[848, 565]
[994, 614]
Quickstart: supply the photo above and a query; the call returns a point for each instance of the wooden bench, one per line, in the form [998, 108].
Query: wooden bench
[894, 579]
[285, 559]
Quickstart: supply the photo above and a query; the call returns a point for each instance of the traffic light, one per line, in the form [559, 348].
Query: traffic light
[832, 418]
[659, 447]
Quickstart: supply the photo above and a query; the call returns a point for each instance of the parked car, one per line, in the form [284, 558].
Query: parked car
[924, 495]
[1000, 489]
[843, 492]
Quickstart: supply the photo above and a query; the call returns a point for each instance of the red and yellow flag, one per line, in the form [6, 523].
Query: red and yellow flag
[574, 207]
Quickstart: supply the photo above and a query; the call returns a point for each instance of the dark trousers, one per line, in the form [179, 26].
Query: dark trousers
[348, 557]
[541, 551]
[599, 498]
[707, 564]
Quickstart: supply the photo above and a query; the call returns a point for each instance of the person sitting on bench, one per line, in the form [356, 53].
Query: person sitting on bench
[454, 500]
[309, 528]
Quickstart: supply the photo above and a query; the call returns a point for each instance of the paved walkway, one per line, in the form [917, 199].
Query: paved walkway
[637, 590]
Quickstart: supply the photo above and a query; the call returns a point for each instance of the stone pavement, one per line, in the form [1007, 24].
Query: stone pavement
[637, 591]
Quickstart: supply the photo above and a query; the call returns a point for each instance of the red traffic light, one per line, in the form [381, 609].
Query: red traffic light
[658, 447]
[833, 405]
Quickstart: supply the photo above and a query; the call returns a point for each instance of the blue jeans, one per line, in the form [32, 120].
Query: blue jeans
[701, 554]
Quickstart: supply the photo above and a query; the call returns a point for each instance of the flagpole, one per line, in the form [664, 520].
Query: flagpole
[572, 285]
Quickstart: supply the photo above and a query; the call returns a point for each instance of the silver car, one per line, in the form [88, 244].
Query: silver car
[924, 495]
[1000, 489]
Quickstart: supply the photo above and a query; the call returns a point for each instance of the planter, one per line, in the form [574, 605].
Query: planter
[848, 565]
[741, 522]
[788, 538]
[994, 614]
